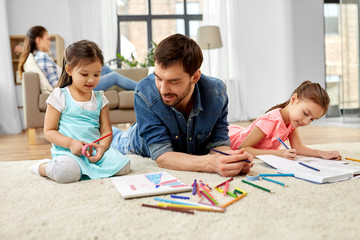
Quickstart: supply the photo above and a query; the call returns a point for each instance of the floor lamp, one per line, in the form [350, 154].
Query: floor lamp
[208, 37]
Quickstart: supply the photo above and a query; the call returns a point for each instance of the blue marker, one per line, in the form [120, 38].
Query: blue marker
[194, 188]
[282, 143]
[177, 196]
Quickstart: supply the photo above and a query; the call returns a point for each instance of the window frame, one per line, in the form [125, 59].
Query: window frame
[148, 19]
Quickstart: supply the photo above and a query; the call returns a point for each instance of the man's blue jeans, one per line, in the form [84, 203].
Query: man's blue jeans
[110, 78]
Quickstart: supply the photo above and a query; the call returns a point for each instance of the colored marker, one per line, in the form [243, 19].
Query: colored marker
[226, 188]
[194, 187]
[177, 196]
[270, 180]
[352, 159]
[234, 200]
[277, 175]
[282, 143]
[305, 165]
[257, 186]
[229, 180]
[224, 153]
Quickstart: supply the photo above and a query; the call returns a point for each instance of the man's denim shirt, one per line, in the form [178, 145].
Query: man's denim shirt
[160, 128]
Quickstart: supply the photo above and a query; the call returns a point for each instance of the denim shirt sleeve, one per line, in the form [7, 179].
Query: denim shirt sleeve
[220, 132]
[151, 129]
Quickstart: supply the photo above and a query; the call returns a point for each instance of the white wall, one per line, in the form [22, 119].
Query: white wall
[282, 43]
[283, 46]
[54, 15]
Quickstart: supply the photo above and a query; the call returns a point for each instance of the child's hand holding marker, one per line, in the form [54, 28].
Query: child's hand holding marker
[288, 152]
[233, 162]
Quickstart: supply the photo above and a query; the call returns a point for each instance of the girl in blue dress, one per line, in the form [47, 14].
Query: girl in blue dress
[75, 116]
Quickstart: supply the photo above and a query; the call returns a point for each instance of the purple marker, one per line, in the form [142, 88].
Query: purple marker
[194, 187]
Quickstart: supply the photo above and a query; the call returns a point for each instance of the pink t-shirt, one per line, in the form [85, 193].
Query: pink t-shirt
[271, 123]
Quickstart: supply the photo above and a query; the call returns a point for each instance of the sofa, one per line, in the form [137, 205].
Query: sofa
[121, 103]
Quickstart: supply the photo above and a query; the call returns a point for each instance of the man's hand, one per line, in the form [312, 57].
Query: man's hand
[232, 165]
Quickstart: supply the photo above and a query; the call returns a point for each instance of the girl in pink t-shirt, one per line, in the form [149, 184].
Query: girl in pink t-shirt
[308, 102]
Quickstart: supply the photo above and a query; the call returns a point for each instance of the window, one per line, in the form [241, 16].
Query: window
[142, 21]
[342, 54]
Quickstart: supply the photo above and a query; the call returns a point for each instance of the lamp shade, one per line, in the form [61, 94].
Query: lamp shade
[208, 37]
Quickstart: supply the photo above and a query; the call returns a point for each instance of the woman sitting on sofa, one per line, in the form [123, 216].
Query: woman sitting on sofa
[37, 42]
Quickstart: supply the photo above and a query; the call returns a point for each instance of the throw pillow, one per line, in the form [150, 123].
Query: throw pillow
[30, 65]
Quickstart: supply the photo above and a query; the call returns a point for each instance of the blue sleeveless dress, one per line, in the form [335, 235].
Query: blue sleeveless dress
[84, 125]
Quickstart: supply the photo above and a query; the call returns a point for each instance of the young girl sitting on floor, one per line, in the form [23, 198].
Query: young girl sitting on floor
[77, 115]
[308, 102]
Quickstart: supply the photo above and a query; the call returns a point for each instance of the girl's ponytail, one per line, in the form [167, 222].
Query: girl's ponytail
[310, 91]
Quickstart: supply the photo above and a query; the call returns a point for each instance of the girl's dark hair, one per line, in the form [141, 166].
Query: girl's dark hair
[179, 48]
[30, 45]
[310, 91]
[82, 52]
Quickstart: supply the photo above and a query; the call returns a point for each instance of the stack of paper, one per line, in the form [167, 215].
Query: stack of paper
[329, 170]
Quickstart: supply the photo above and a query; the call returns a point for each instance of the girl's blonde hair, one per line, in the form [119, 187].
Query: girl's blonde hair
[309, 91]
[82, 52]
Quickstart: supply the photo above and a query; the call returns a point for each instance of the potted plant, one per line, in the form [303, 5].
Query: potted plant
[134, 69]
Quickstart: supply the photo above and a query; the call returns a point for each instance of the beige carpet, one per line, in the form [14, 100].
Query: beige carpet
[32, 207]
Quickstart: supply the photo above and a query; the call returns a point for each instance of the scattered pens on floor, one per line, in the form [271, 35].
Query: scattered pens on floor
[305, 165]
[271, 180]
[257, 186]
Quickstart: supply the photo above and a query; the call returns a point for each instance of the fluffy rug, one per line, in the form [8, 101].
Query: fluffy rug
[33, 207]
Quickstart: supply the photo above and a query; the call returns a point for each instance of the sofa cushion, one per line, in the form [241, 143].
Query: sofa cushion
[112, 97]
[126, 100]
[30, 65]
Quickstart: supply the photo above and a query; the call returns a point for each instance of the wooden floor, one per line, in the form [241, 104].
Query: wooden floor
[16, 148]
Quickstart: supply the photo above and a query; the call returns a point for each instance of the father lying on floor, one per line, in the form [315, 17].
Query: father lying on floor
[181, 115]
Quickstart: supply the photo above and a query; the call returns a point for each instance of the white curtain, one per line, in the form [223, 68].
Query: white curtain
[9, 115]
[95, 20]
[227, 63]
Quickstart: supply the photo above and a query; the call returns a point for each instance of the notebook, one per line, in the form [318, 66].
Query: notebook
[330, 171]
[149, 184]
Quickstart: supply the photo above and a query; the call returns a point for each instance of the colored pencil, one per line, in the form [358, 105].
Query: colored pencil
[177, 196]
[223, 183]
[98, 140]
[232, 194]
[207, 197]
[188, 211]
[194, 187]
[224, 153]
[305, 165]
[175, 201]
[234, 200]
[352, 159]
[209, 194]
[198, 208]
[257, 186]
[270, 180]
[240, 190]
[277, 175]
[226, 188]
[282, 143]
